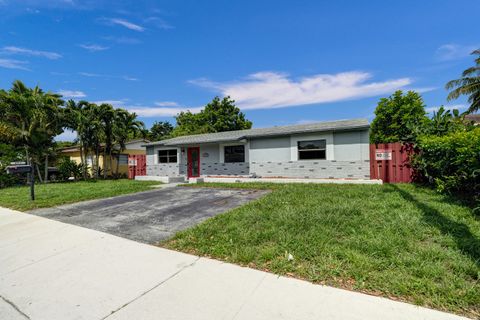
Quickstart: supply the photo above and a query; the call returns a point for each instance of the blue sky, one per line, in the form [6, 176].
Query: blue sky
[284, 62]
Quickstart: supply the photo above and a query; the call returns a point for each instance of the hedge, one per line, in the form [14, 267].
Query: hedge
[451, 163]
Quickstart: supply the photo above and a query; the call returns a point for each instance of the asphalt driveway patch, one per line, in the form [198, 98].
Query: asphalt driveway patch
[151, 216]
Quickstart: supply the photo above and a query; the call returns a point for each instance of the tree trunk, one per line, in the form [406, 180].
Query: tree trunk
[83, 160]
[38, 172]
[27, 160]
[116, 170]
[45, 180]
[97, 162]
[104, 164]
[111, 162]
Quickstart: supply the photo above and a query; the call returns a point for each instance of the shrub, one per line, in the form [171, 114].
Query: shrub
[68, 168]
[8, 153]
[451, 163]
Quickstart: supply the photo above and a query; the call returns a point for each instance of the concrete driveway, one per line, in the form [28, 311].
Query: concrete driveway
[151, 216]
[56, 271]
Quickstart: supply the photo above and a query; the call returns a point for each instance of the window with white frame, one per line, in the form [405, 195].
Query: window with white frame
[312, 150]
[122, 159]
[167, 156]
[234, 153]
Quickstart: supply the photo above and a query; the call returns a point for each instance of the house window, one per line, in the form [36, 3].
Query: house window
[313, 149]
[167, 156]
[235, 154]
[122, 159]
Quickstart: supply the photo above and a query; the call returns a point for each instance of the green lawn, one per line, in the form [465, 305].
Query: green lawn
[54, 194]
[400, 241]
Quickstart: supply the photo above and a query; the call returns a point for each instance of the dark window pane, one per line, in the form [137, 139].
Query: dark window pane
[312, 144]
[311, 154]
[167, 156]
[235, 154]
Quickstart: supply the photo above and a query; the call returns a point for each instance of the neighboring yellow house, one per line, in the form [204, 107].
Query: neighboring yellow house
[133, 147]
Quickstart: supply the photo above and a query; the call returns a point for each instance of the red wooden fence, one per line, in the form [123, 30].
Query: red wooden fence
[137, 165]
[390, 162]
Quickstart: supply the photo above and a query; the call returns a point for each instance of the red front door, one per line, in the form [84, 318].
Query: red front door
[193, 162]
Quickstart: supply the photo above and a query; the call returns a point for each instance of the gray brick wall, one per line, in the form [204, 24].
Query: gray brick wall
[220, 169]
[163, 169]
[234, 169]
[327, 169]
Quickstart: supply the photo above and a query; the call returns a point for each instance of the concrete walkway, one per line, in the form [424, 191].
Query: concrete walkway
[52, 270]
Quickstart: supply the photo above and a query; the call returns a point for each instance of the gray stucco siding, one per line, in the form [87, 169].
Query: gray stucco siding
[351, 145]
[271, 149]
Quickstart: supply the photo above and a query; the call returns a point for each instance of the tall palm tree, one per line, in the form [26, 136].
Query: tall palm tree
[81, 116]
[106, 115]
[468, 84]
[125, 125]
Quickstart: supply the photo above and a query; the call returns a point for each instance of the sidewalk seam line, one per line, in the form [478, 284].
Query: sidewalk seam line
[14, 306]
[149, 290]
[249, 296]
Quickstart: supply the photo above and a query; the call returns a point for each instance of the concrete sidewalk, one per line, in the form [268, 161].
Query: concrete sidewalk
[52, 270]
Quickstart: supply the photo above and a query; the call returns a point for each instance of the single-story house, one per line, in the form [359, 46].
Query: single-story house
[132, 147]
[331, 150]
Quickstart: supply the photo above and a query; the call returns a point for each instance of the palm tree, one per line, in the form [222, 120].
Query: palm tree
[468, 84]
[106, 115]
[125, 125]
[82, 117]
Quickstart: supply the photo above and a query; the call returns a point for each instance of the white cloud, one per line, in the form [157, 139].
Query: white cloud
[88, 74]
[29, 52]
[93, 47]
[167, 104]
[116, 103]
[126, 24]
[143, 111]
[72, 94]
[452, 51]
[13, 64]
[123, 40]
[452, 107]
[128, 78]
[107, 76]
[266, 90]
[159, 23]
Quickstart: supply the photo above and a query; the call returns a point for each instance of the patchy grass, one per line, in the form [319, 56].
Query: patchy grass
[400, 241]
[54, 194]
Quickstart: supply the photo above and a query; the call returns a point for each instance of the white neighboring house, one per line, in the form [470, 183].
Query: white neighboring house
[327, 150]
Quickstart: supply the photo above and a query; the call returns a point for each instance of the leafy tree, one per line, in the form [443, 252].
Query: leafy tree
[34, 117]
[160, 130]
[468, 85]
[396, 118]
[217, 116]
